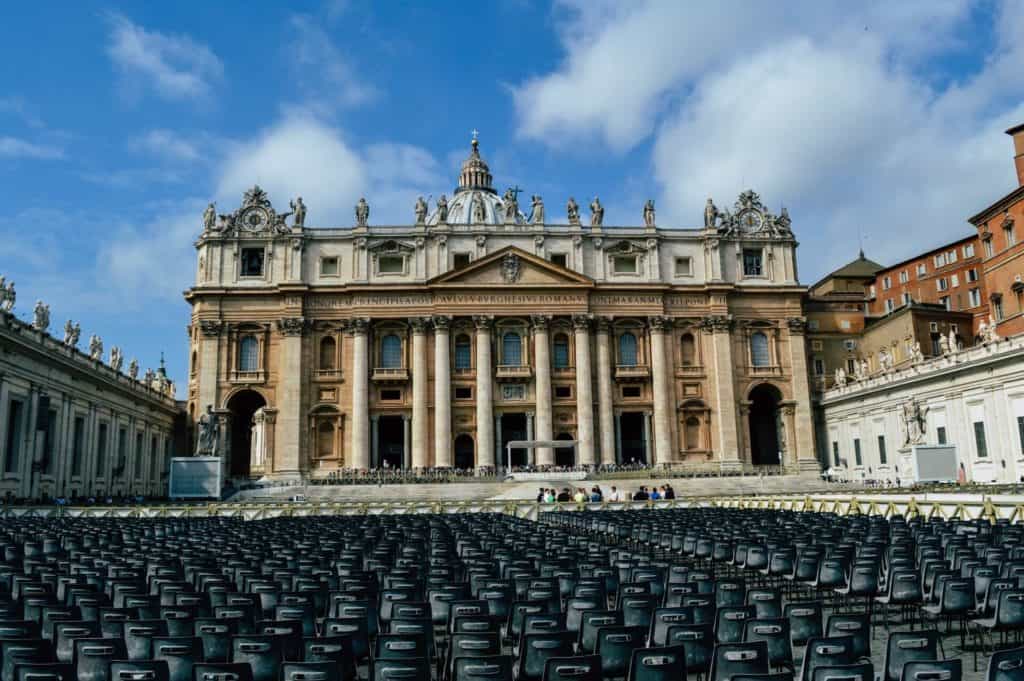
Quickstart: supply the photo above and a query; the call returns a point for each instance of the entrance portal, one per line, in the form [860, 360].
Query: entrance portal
[764, 425]
[390, 441]
[513, 427]
[631, 435]
[564, 456]
[464, 457]
[242, 406]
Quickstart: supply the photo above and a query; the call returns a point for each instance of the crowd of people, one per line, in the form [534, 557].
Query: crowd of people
[580, 495]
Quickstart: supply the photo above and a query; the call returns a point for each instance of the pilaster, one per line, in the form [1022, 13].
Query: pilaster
[360, 455]
[544, 456]
[290, 397]
[584, 393]
[484, 396]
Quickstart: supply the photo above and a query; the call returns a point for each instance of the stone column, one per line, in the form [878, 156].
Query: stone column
[442, 394]
[584, 393]
[209, 365]
[605, 395]
[406, 440]
[484, 397]
[420, 424]
[544, 456]
[662, 398]
[648, 449]
[500, 455]
[804, 440]
[618, 438]
[360, 394]
[290, 410]
[529, 436]
[789, 427]
[720, 328]
[743, 435]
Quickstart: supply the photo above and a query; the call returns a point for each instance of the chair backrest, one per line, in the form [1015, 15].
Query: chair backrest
[934, 670]
[401, 647]
[262, 652]
[93, 656]
[221, 671]
[334, 649]
[494, 668]
[592, 621]
[1006, 665]
[578, 668]
[664, 663]
[699, 642]
[24, 651]
[663, 618]
[310, 671]
[138, 637]
[908, 646]
[536, 649]
[805, 621]
[412, 669]
[139, 670]
[616, 644]
[857, 625]
[827, 652]
[180, 652]
[730, 621]
[638, 609]
[767, 602]
[775, 633]
[730, 659]
[44, 671]
[1009, 609]
[864, 671]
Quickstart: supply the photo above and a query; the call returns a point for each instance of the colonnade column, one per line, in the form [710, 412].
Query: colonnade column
[806, 458]
[442, 394]
[360, 395]
[720, 328]
[545, 456]
[420, 426]
[289, 397]
[606, 424]
[530, 453]
[584, 393]
[662, 401]
[484, 397]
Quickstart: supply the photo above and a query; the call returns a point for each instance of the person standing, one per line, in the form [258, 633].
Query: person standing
[614, 495]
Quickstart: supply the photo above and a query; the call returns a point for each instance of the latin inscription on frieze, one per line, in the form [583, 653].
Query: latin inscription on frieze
[626, 299]
[510, 299]
[686, 301]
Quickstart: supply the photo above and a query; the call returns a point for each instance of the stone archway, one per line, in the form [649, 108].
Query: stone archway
[765, 426]
[565, 456]
[243, 405]
[465, 457]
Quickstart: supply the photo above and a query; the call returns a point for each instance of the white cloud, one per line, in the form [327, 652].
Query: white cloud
[168, 144]
[174, 66]
[13, 147]
[832, 111]
[321, 71]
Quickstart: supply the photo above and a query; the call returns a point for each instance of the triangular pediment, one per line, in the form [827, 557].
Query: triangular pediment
[511, 266]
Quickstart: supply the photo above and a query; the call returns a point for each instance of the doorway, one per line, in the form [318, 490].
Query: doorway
[631, 435]
[390, 441]
[242, 405]
[464, 455]
[764, 425]
[565, 456]
[513, 427]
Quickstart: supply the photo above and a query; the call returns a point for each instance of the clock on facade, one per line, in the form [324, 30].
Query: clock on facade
[750, 221]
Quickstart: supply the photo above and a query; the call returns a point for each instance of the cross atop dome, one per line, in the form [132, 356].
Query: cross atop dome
[475, 174]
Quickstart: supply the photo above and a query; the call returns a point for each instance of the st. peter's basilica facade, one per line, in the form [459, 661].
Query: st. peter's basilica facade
[433, 344]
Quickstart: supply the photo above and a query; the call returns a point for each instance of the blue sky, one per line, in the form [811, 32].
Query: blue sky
[119, 122]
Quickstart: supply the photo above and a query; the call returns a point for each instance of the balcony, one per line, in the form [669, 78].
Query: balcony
[327, 375]
[563, 372]
[632, 372]
[684, 370]
[509, 372]
[248, 376]
[390, 375]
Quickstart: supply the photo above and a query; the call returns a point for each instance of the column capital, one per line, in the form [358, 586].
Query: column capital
[658, 323]
[293, 326]
[539, 322]
[797, 325]
[603, 323]
[717, 323]
[582, 322]
[359, 325]
[483, 322]
[441, 322]
[210, 328]
[419, 324]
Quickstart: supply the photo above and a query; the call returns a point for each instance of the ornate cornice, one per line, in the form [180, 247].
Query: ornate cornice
[717, 324]
[293, 326]
[210, 328]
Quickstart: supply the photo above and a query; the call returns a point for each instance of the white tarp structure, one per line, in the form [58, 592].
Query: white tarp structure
[195, 477]
[934, 463]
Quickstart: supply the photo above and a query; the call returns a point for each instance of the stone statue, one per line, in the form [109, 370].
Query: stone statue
[421, 211]
[710, 214]
[147, 379]
[9, 298]
[69, 334]
[649, 213]
[954, 344]
[943, 344]
[442, 209]
[299, 211]
[536, 210]
[225, 223]
[840, 380]
[210, 218]
[983, 331]
[511, 205]
[362, 212]
[206, 437]
[171, 390]
[133, 369]
[884, 361]
[95, 347]
[596, 213]
[116, 358]
[479, 214]
[914, 422]
[865, 370]
[993, 337]
[41, 317]
[915, 352]
[572, 210]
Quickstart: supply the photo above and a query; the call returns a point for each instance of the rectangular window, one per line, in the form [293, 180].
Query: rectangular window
[851, 365]
[329, 267]
[390, 394]
[630, 391]
[136, 458]
[819, 366]
[856, 452]
[974, 297]
[972, 275]
[460, 260]
[904, 277]
[905, 298]
[922, 270]
[844, 324]
[1011, 238]
[954, 280]
[871, 291]
[939, 260]
[12, 448]
[997, 308]
[940, 435]
[101, 450]
[122, 448]
[881, 450]
[941, 284]
[152, 456]
[50, 442]
[979, 439]
[951, 257]
[835, 453]
[563, 392]
[560, 259]
[391, 264]
[252, 262]
[968, 250]
[886, 283]
[513, 391]
[463, 355]
[889, 306]
[752, 263]
[624, 264]
[463, 392]
[77, 445]
[988, 249]
[684, 267]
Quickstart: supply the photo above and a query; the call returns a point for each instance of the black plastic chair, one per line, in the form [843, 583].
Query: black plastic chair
[698, 640]
[221, 671]
[665, 663]
[44, 671]
[579, 668]
[495, 668]
[92, 657]
[863, 671]
[310, 671]
[536, 649]
[908, 646]
[1006, 665]
[615, 646]
[139, 670]
[775, 633]
[263, 653]
[858, 626]
[730, 659]
[827, 652]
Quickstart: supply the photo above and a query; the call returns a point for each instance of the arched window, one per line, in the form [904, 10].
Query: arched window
[463, 352]
[328, 350]
[627, 350]
[391, 352]
[511, 349]
[689, 350]
[759, 355]
[249, 354]
[693, 433]
[195, 360]
[561, 354]
[325, 439]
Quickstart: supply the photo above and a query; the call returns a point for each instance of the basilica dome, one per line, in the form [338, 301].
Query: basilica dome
[475, 202]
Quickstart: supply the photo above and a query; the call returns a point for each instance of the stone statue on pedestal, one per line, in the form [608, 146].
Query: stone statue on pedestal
[299, 212]
[420, 211]
[362, 213]
[207, 432]
[442, 209]
[8, 296]
[572, 210]
[840, 380]
[710, 214]
[954, 344]
[943, 344]
[95, 347]
[116, 358]
[41, 317]
[71, 334]
[133, 369]
[596, 213]
[649, 213]
[210, 218]
[537, 210]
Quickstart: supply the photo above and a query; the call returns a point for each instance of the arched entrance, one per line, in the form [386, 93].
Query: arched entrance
[464, 457]
[564, 456]
[764, 425]
[242, 406]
